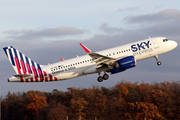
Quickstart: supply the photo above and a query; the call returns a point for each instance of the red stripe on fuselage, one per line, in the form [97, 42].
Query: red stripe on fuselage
[21, 78]
[40, 74]
[50, 76]
[46, 78]
[45, 74]
[35, 73]
[32, 80]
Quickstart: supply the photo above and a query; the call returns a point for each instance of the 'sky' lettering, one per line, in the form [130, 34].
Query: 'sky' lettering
[140, 46]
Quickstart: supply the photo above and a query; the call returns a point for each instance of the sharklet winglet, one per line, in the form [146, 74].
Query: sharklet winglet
[85, 48]
[62, 59]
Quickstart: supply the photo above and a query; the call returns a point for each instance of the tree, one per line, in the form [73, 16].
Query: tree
[34, 101]
[78, 106]
[54, 111]
[13, 106]
[139, 111]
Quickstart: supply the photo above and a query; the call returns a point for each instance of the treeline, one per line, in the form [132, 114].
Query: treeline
[124, 101]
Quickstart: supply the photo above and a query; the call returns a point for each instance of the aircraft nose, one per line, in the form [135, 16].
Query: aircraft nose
[173, 44]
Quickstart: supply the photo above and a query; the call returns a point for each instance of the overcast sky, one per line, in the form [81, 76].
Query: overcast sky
[47, 30]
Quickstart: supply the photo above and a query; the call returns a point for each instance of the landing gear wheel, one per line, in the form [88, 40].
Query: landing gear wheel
[105, 76]
[159, 63]
[100, 79]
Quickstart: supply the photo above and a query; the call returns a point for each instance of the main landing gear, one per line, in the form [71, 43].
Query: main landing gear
[100, 78]
[158, 62]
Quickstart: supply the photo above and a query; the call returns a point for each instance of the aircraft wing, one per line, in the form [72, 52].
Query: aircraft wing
[99, 59]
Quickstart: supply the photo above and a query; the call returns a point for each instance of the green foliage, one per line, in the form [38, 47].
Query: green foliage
[106, 91]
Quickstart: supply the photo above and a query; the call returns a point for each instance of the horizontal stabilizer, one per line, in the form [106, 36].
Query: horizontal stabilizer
[23, 75]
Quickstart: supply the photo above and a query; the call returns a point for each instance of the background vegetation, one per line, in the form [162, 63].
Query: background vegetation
[124, 101]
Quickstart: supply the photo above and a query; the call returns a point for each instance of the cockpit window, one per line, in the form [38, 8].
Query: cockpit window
[164, 40]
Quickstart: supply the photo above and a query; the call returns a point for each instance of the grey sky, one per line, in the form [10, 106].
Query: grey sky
[47, 36]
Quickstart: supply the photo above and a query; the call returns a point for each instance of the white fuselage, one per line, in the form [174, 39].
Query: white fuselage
[83, 65]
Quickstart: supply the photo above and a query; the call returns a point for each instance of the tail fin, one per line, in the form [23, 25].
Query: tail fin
[23, 65]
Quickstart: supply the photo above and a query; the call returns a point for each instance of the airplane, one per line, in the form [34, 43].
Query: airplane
[113, 60]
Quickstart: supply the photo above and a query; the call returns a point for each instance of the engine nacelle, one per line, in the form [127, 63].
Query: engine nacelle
[123, 64]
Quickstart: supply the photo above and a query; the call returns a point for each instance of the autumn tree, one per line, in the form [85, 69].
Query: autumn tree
[13, 106]
[115, 108]
[78, 106]
[54, 111]
[139, 111]
[34, 101]
[89, 95]
[122, 90]
[125, 100]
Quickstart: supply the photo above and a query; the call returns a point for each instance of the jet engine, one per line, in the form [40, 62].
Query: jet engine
[123, 64]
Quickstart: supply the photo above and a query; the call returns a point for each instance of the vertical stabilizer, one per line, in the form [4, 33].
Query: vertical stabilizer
[23, 65]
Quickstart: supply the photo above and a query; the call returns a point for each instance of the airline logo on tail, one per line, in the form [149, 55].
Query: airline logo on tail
[25, 68]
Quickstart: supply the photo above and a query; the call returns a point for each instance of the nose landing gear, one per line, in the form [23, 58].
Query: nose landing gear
[158, 62]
